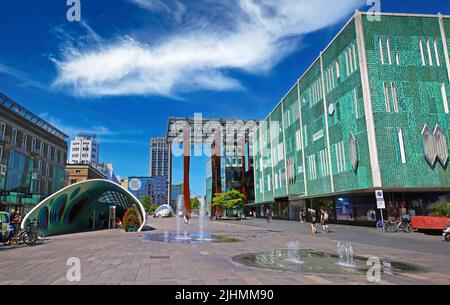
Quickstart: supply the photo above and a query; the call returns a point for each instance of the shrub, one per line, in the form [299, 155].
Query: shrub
[440, 208]
[132, 219]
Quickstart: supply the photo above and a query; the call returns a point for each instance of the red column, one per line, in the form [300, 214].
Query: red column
[187, 154]
[244, 177]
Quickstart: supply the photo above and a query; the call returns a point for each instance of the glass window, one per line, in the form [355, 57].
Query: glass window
[428, 145]
[24, 141]
[394, 96]
[436, 52]
[422, 52]
[430, 56]
[386, 96]
[401, 145]
[388, 44]
[2, 130]
[380, 47]
[14, 137]
[444, 98]
[338, 70]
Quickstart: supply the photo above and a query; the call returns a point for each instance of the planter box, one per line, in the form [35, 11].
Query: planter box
[131, 229]
[429, 222]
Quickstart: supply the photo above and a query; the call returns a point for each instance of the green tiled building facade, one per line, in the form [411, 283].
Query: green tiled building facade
[370, 113]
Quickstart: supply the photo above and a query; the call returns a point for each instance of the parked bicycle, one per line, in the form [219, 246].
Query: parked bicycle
[31, 235]
[394, 226]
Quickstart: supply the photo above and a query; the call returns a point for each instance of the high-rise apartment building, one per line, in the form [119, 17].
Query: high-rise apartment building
[371, 113]
[84, 149]
[159, 157]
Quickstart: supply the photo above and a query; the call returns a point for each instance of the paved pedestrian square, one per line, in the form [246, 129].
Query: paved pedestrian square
[119, 258]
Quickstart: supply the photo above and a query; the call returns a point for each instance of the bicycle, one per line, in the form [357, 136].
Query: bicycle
[31, 235]
[34, 233]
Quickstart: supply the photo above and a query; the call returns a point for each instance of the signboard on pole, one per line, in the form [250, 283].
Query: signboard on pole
[380, 199]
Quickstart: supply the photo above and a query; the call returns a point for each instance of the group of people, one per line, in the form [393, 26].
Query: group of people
[16, 218]
[324, 218]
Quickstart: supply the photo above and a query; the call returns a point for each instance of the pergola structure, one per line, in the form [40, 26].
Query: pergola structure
[213, 133]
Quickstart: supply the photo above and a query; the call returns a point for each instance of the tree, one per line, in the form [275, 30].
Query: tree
[441, 208]
[195, 203]
[147, 203]
[232, 200]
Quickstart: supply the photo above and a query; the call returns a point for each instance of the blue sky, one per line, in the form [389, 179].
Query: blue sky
[130, 64]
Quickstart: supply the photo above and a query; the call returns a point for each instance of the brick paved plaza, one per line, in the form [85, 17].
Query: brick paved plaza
[115, 257]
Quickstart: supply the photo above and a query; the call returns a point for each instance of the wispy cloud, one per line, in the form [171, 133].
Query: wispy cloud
[73, 131]
[104, 134]
[22, 76]
[255, 37]
[173, 9]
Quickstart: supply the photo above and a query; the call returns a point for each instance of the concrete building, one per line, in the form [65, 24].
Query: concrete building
[81, 172]
[32, 157]
[159, 157]
[108, 170]
[84, 149]
[371, 113]
[155, 187]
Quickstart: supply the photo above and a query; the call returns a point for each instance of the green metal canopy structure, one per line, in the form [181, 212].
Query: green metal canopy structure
[82, 207]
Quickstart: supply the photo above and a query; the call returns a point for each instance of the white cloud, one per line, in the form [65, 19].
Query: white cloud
[175, 9]
[259, 34]
[73, 131]
[24, 77]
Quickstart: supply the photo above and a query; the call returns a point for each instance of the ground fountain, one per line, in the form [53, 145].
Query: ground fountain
[293, 254]
[346, 255]
[179, 214]
[182, 235]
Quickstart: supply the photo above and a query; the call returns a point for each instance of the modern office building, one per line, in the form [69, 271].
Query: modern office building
[159, 157]
[177, 190]
[371, 113]
[32, 157]
[230, 172]
[155, 187]
[81, 172]
[84, 149]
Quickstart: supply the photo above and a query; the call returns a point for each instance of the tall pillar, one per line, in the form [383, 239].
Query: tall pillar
[244, 176]
[218, 157]
[187, 154]
[169, 179]
[215, 168]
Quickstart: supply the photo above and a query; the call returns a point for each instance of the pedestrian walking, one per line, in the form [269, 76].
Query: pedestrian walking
[313, 220]
[324, 220]
[268, 215]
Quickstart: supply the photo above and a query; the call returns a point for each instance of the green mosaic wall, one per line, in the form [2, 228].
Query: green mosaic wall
[313, 118]
[419, 98]
[296, 187]
[447, 31]
[349, 117]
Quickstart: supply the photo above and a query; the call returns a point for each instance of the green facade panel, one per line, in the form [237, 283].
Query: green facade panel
[294, 155]
[416, 99]
[407, 73]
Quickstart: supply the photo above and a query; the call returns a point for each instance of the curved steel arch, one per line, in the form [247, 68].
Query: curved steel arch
[76, 207]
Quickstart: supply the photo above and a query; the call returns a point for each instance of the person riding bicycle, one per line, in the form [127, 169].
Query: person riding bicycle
[406, 219]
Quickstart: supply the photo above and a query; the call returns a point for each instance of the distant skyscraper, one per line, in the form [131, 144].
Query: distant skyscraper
[84, 149]
[159, 157]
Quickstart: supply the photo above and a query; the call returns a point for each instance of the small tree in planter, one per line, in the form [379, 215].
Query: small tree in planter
[441, 208]
[132, 220]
